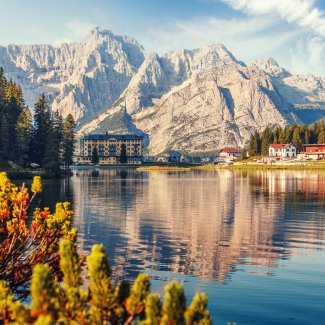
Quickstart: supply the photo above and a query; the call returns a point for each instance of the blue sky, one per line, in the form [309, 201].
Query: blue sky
[291, 31]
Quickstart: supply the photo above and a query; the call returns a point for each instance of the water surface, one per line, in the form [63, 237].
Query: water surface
[253, 241]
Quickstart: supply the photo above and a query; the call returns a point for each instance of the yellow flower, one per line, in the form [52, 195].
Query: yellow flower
[37, 185]
[4, 180]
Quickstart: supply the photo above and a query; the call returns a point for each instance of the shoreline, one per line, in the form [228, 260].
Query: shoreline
[239, 166]
[14, 174]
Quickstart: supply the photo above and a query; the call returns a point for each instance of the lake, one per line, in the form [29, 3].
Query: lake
[253, 241]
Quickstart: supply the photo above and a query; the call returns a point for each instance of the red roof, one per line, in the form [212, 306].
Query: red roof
[230, 150]
[314, 145]
[279, 145]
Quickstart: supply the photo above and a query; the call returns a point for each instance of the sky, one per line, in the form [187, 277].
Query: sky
[290, 31]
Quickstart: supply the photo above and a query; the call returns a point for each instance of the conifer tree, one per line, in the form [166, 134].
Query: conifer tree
[75, 299]
[44, 289]
[53, 151]
[287, 134]
[174, 305]
[153, 310]
[123, 156]
[321, 137]
[254, 146]
[266, 140]
[103, 296]
[24, 136]
[196, 313]
[94, 156]
[5, 140]
[276, 135]
[42, 125]
[12, 110]
[305, 134]
[102, 303]
[296, 138]
[69, 141]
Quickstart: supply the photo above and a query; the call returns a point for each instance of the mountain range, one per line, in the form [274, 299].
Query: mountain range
[189, 100]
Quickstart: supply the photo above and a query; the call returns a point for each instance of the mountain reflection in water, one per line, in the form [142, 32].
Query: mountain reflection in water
[253, 241]
[199, 223]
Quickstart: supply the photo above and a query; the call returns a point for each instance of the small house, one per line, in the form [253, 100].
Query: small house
[230, 153]
[313, 151]
[282, 150]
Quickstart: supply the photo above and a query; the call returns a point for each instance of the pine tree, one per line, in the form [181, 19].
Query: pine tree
[69, 141]
[123, 156]
[196, 313]
[321, 137]
[3, 83]
[24, 136]
[44, 289]
[296, 138]
[254, 146]
[153, 310]
[75, 298]
[266, 140]
[42, 125]
[102, 292]
[5, 140]
[174, 305]
[53, 153]
[13, 106]
[287, 135]
[304, 134]
[276, 135]
[94, 156]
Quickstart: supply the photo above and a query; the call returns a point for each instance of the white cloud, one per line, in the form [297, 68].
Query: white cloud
[248, 38]
[309, 55]
[76, 30]
[305, 53]
[303, 12]
[204, 31]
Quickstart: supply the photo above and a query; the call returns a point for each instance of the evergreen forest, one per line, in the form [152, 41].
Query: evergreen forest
[41, 139]
[297, 135]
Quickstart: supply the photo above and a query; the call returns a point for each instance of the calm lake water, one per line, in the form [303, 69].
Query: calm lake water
[254, 242]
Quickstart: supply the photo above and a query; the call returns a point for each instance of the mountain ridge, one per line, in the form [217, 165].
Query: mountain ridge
[190, 100]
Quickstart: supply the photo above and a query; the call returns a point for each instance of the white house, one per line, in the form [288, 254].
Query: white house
[282, 150]
[230, 153]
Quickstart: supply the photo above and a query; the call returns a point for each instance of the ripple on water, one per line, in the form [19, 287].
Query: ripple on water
[254, 242]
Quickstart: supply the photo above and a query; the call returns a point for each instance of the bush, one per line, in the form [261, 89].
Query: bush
[39, 258]
[28, 240]
[101, 302]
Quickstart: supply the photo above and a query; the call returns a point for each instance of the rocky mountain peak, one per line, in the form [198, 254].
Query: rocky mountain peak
[190, 100]
[271, 67]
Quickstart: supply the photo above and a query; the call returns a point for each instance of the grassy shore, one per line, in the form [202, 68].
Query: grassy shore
[256, 166]
[163, 168]
[306, 165]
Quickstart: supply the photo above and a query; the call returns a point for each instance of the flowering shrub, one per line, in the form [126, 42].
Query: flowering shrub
[26, 240]
[38, 258]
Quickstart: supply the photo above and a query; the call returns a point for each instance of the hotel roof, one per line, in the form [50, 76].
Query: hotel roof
[112, 136]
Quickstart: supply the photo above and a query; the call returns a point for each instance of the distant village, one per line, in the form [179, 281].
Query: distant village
[116, 149]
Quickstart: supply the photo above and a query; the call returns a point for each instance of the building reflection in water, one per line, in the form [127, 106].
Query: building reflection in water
[200, 223]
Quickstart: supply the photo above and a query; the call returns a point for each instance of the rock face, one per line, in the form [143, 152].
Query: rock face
[79, 78]
[306, 94]
[222, 108]
[196, 101]
[190, 100]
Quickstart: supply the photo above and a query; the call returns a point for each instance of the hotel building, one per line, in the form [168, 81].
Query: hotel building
[109, 148]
